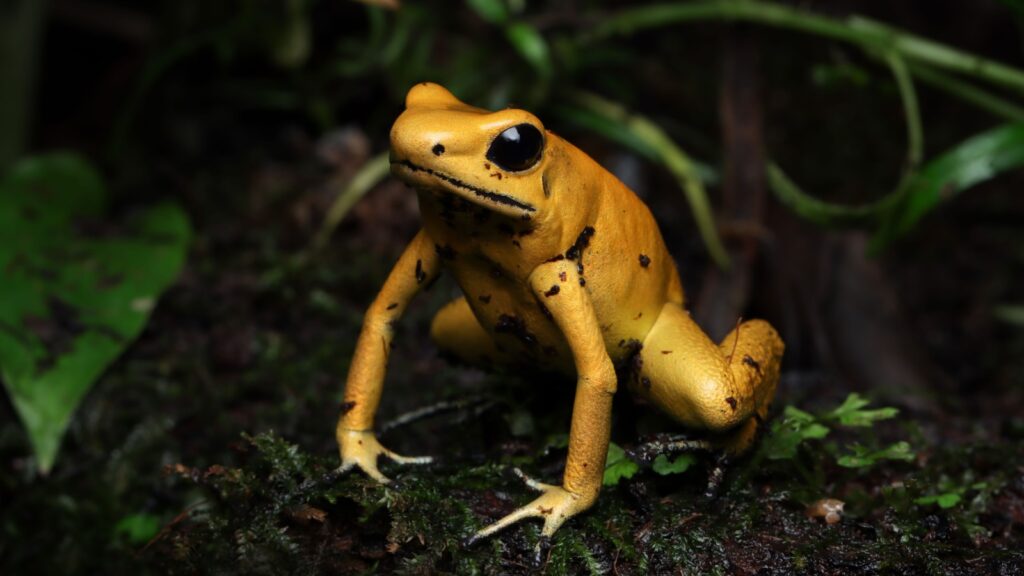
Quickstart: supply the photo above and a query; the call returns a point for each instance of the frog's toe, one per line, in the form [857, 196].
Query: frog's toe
[531, 483]
[555, 505]
[398, 458]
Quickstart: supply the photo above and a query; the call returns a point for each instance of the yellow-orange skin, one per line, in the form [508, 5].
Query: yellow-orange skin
[530, 296]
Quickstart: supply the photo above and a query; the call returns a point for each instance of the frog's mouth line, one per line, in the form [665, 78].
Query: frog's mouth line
[488, 194]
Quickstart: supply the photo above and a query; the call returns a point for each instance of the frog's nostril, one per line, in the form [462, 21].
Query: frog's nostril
[438, 149]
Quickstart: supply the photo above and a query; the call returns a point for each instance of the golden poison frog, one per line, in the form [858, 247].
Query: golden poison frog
[561, 267]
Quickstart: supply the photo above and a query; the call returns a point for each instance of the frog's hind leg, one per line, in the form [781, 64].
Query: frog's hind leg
[725, 388]
[458, 333]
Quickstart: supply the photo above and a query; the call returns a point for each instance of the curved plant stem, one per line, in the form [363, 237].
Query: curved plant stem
[967, 92]
[911, 110]
[375, 170]
[854, 29]
[821, 212]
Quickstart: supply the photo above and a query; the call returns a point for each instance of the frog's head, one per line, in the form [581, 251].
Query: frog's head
[493, 159]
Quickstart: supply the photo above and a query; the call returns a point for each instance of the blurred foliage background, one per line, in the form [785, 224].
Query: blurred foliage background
[850, 170]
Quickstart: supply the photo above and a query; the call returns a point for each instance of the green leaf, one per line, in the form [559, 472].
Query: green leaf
[849, 413]
[973, 161]
[493, 11]
[787, 434]
[863, 457]
[617, 466]
[75, 290]
[531, 46]
[945, 500]
[664, 466]
[138, 528]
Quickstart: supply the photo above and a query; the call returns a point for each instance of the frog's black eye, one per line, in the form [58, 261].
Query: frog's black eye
[517, 148]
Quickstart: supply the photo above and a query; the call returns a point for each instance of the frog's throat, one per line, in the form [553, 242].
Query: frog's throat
[495, 197]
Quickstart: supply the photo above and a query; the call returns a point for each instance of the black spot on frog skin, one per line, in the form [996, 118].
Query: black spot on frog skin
[666, 351]
[583, 281]
[575, 252]
[553, 291]
[438, 149]
[347, 407]
[752, 363]
[645, 261]
[392, 306]
[582, 241]
[562, 276]
[516, 326]
[633, 345]
[732, 403]
[544, 310]
[420, 274]
[517, 244]
[445, 251]
[485, 298]
[556, 258]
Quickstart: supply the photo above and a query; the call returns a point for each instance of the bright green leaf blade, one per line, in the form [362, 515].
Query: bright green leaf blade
[617, 466]
[493, 11]
[972, 162]
[664, 466]
[74, 290]
[531, 46]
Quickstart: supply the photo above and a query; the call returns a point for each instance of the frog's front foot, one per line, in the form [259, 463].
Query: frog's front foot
[360, 448]
[555, 505]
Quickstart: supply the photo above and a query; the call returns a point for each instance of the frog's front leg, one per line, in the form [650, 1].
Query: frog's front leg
[417, 266]
[573, 312]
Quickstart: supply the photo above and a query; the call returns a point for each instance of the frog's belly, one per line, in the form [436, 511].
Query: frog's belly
[524, 331]
[522, 328]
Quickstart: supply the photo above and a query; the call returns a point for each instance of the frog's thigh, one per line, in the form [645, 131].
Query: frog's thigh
[457, 332]
[726, 387]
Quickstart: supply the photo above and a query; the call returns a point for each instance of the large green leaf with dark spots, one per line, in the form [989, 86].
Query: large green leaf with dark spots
[75, 287]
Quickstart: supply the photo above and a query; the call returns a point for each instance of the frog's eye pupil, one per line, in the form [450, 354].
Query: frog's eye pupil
[517, 148]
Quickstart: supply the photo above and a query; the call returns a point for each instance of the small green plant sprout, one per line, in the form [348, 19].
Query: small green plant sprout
[950, 492]
[681, 463]
[863, 457]
[797, 427]
[618, 466]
